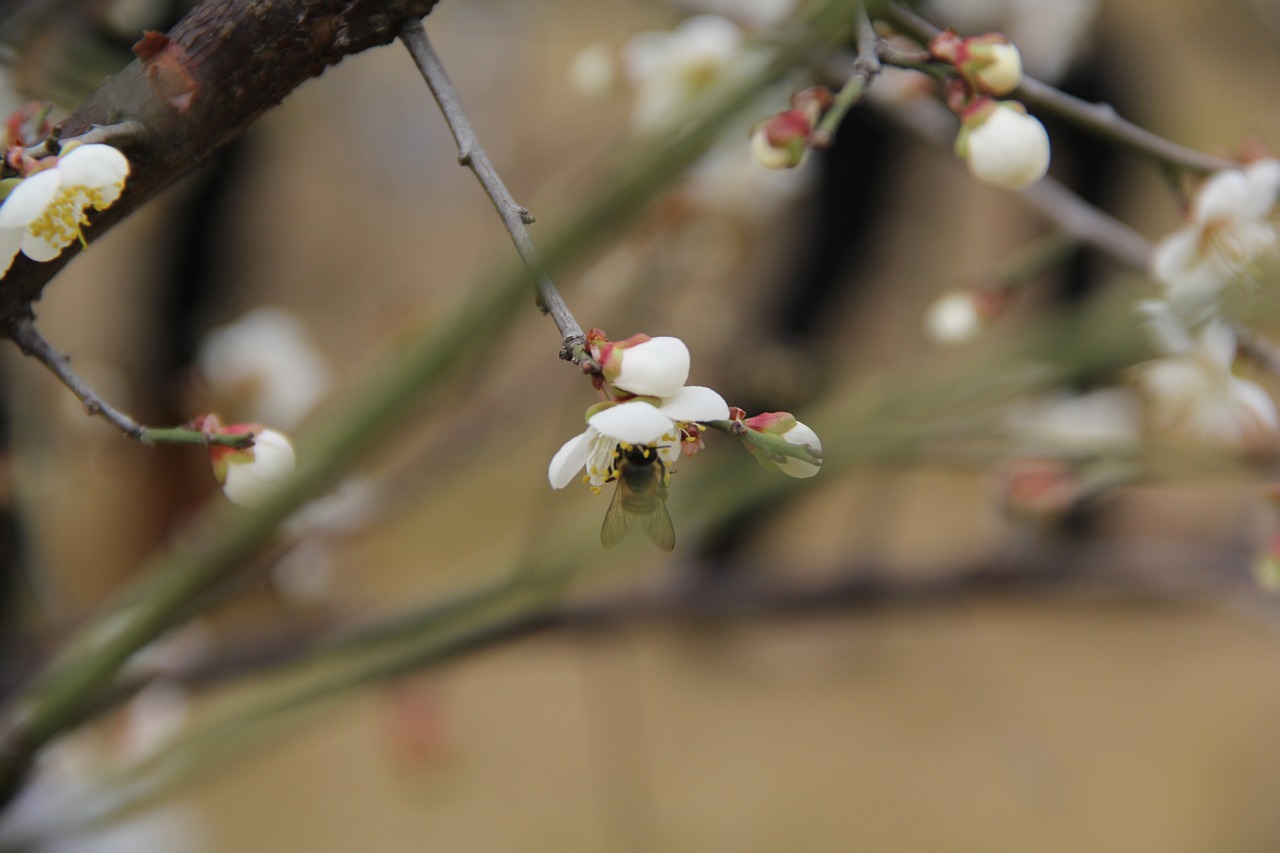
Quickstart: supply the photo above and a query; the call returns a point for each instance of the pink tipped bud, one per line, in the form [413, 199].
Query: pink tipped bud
[250, 475]
[782, 141]
[989, 63]
[785, 426]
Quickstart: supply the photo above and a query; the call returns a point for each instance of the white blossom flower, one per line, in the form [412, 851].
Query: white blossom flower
[637, 422]
[669, 70]
[250, 476]
[43, 213]
[1192, 387]
[1089, 423]
[1227, 234]
[264, 366]
[592, 71]
[953, 318]
[1002, 144]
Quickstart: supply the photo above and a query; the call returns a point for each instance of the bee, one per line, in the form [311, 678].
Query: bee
[641, 497]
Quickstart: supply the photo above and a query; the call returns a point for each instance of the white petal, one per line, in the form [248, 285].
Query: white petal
[251, 484]
[1263, 178]
[95, 166]
[1197, 289]
[1223, 194]
[570, 459]
[635, 422]
[655, 368]
[1256, 401]
[800, 435]
[50, 242]
[29, 199]
[695, 403]
[1176, 254]
[1219, 343]
[1163, 328]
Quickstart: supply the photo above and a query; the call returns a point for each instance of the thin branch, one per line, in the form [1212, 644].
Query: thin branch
[131, 131]
[472, 154]
[1101, 119]
[1072, 214]
[33, 344]
[866, 68]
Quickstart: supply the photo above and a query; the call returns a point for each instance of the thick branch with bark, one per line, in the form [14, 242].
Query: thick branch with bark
[200, 86]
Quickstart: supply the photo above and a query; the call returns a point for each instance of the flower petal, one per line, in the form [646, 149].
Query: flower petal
[1251, 397]
[569, 459]
[1225, 193]
[1219, 342]
[635, 422]
[1163, 328]
[1263, 179]
[29, 199]
[695, 403]
[95, 165]
[656, 368]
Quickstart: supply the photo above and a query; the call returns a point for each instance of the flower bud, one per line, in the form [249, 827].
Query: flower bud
[1002, 144]
[782, 141]
[249, 476]
[785, 426]
[989, 63]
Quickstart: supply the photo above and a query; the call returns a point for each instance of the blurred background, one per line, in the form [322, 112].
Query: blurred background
[936, 646]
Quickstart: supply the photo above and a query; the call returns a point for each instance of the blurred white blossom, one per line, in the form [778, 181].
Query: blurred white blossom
[1227, 234]
[264, 367]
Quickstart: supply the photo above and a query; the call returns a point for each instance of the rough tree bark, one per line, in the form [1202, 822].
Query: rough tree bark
[200, 86]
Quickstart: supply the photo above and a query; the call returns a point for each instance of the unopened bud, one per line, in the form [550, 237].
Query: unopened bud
[249, 476]
[782, 141]
[989, 63]
[1002, 144]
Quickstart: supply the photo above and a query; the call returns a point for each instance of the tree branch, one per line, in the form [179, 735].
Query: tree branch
[1100, 119]
[472, 154]
[33, 344]
[200, 86]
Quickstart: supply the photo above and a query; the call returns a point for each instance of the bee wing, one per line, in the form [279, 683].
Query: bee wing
[617, 521]
[658, 527]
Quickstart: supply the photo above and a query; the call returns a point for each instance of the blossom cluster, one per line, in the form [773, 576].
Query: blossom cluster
[1000, 141]
[1192, 385]
[648, 418]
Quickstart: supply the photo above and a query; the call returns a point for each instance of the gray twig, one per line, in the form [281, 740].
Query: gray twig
[33, 344]
[1101, 119]
[472, 154]
[866, 68]
[125, 131]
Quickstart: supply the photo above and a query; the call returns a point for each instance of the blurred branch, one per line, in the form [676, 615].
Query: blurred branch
[1110, 572]
[33, 344]
[222, 538]
[514, 216]
[1100, 119]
